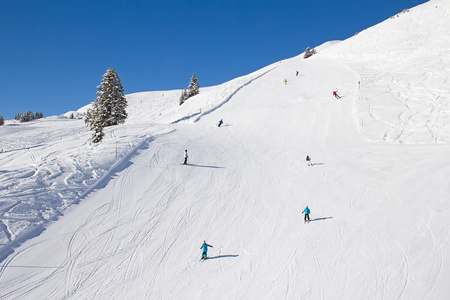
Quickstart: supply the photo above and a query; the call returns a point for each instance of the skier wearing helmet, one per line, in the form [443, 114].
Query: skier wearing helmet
[205, 249]
[306, 211]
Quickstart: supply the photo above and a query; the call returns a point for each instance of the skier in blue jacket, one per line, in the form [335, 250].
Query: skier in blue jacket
[306, 211]
[205, 249]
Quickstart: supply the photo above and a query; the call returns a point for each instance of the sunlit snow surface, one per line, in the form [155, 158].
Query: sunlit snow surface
[78, 222]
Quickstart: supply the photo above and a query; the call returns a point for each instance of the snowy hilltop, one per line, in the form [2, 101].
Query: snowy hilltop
[126, 219]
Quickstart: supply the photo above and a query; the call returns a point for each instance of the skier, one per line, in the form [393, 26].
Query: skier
[185, 157]
[296, 74]
[220, 123]
[285, 81]
[308, 160]
[205, 249]
[336, 95]
[306, 211]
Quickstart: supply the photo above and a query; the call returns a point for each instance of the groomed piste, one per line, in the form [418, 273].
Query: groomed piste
[125, 219]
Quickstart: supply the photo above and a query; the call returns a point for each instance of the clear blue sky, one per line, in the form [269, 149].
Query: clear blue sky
[53, 53]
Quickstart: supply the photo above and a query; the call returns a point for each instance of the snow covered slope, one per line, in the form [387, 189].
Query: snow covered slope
[379, 189]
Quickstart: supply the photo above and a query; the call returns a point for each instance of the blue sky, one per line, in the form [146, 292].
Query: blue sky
[53, 53]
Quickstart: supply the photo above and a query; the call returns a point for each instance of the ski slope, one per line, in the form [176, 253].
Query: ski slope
[79, 223]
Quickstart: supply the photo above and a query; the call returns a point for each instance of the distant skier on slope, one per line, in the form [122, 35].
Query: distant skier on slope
[205, 249]
[185, 157]
[220, 123]
[308, 160]
[285, 81]
[306, 211]
[336, 95]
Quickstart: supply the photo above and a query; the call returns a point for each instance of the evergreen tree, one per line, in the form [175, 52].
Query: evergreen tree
[28, 116]
[183, 97]
[109, 107]
[193, 88]
[2, 121]
[96, 123]
[309, 52]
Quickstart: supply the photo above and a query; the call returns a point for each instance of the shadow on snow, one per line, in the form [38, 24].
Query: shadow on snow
[200, 166]
[320, 219]
[221, 256]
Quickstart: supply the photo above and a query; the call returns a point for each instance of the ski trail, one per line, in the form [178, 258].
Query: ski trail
[199, 116]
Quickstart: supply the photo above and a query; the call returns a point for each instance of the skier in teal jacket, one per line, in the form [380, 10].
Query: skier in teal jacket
[205, 249]
[306, 211]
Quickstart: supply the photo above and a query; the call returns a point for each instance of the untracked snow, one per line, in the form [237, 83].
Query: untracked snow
[125, 219]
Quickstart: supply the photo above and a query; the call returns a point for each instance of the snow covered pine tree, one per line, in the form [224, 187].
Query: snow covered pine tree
[193, 88]
[109, 107]
[183, 96]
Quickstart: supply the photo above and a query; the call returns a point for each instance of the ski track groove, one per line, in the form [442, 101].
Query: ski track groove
[436, 246]
[318, 268]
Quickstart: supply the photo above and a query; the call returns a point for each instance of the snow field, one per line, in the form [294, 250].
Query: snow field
[378, 193]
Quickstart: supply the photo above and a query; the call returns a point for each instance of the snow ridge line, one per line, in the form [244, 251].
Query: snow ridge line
[120, 165]
[231, 95]
[35, 231]
[199, 115]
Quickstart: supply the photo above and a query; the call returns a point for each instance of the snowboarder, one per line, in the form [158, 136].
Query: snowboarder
[306, 211]
[220, 123]
[308, 160]
[336, 95]
[205, 249]
[185, 157]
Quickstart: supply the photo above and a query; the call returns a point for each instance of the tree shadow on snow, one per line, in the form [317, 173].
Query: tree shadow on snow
[320, 219]
[317, 164]
[222, 256]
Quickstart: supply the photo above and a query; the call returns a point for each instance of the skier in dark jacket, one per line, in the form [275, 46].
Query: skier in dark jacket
[306, 211]
[308, 160]
[205, 249]
[220, 123]
[185, 156]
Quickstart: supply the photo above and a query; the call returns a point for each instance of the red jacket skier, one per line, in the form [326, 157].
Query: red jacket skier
[336, 95]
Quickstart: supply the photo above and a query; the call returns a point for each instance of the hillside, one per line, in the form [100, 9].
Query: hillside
[131, 227]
